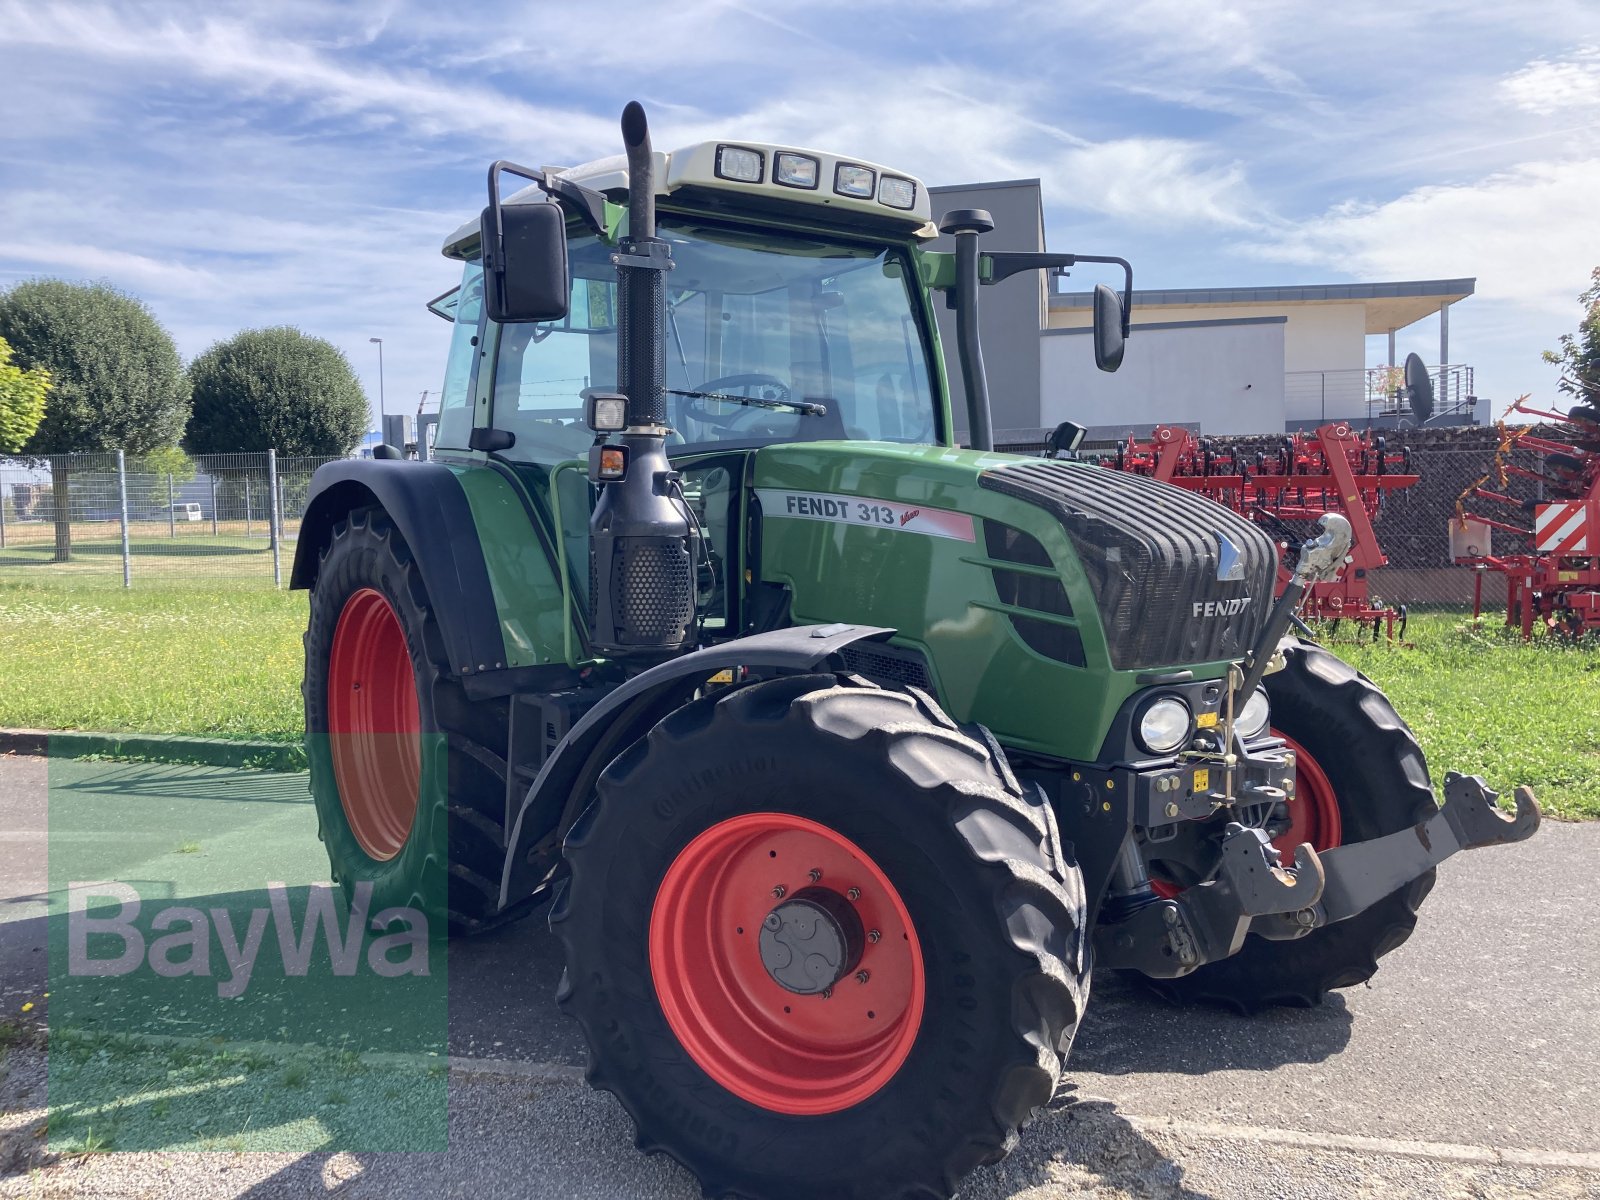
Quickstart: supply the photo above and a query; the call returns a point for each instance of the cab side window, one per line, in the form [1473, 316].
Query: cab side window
[465, 310]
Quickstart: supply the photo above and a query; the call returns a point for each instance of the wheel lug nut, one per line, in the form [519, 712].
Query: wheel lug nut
[827, 993]
[854, 893]
[779, 892]
[874, 936]
[863, 976]
[773, 922]
[816, 874]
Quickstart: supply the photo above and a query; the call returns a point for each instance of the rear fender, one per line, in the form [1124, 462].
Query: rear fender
[562, 788]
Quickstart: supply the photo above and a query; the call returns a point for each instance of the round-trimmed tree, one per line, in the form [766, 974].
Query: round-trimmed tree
[116, 382]
[275, 388]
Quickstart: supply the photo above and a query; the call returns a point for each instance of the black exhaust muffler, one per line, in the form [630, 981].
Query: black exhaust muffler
[642, 536]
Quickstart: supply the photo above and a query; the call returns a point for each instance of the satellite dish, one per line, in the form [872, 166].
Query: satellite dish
[1420, 388]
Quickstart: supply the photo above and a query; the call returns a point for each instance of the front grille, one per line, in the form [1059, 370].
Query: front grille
[1150, 553]
[1041, 593]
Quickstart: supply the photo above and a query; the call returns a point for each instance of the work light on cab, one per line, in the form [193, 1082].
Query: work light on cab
[795, 170]
[739, 164]
[851, 180]
[897, 192]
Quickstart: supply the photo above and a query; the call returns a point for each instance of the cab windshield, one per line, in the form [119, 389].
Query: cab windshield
[769, 337]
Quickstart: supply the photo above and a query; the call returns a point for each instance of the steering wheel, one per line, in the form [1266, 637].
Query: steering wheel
[771, 388]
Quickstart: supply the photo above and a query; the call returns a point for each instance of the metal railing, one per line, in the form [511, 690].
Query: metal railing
[1374, 394]
[118, 519]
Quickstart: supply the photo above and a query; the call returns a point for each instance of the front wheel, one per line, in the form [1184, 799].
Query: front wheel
[1359, 775]
[821, 943]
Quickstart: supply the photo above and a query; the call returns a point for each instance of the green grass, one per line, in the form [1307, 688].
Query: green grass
[227, 663]
[1483, 702]
[222, 663]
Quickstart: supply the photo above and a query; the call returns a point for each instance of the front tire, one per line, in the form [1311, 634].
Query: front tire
[408, 788]
[1360, 775]
[929, 1050]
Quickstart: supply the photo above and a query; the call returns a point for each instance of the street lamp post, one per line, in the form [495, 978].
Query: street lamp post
[382, 413]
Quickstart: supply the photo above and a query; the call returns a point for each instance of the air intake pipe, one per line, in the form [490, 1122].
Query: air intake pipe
[642, 538]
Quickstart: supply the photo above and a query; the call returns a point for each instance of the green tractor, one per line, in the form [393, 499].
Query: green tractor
[842, 750]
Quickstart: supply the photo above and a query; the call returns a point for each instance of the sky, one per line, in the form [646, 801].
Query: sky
[246, 164]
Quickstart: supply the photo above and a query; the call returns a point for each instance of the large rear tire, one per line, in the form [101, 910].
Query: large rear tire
[1361, 775]
[931, 1048]
[408, 786]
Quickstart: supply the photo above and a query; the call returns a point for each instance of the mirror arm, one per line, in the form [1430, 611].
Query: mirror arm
[589, 204]
[1003, 264]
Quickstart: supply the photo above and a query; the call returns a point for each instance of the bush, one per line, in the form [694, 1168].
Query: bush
[116, 380]
[278, 389]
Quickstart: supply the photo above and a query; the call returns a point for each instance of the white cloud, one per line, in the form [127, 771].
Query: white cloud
[1548, 86]
[1513, 230]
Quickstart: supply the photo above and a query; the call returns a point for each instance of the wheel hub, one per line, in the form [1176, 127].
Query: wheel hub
[811, 941]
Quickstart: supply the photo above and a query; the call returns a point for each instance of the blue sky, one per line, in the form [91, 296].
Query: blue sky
[292, 162]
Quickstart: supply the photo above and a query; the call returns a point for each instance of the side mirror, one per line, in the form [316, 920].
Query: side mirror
[525, 274]
[1065, 439]
[1108, 338]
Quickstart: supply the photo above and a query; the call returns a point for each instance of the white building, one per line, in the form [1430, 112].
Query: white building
[1220, 360]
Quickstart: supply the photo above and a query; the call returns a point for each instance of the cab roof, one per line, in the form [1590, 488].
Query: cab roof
[746, 174]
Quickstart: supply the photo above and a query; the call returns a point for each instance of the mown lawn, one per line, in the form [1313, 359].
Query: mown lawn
[1484, 703]
[223, 663]
[227, 663]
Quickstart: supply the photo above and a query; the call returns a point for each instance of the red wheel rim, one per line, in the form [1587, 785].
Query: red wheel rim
[797, 1054]
[1314, 807]
[374, 724]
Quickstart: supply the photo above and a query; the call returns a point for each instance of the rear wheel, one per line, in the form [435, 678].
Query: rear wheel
[1360, 775]
[821, 943]
[408, 791]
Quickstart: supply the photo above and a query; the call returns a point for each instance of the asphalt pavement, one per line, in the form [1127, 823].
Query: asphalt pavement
[1470, 1066]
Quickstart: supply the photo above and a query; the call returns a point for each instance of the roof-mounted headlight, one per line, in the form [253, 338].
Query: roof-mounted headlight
[897, 192]
[851, 180]
[795, 170]
[740, 164]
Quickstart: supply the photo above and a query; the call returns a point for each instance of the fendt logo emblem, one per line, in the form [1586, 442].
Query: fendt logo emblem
[1221, 608]
[1230, 562]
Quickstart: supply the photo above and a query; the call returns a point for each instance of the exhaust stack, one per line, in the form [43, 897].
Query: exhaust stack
[642, 539]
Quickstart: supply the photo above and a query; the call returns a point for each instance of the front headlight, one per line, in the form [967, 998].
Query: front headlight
[1252, 719]
[1165, 725]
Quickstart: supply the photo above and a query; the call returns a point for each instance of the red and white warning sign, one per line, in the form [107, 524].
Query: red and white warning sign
[876, 514]
[1567, 527]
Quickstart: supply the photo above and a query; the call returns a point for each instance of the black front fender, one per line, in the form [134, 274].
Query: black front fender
[561, 790]
[430, 510]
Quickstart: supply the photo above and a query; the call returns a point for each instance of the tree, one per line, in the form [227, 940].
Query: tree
[116, 380]
[1579, 356]
[22, 395]
[275, 388]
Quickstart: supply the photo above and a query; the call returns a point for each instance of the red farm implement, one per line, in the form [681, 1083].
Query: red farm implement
[1285, 489]
[1556, 582]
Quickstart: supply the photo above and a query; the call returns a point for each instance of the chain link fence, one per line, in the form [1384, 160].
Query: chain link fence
[119, 520]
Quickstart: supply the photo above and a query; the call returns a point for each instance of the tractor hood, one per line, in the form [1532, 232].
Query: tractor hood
[1174, 579]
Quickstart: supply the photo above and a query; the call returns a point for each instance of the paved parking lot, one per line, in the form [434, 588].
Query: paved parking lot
[1469, 1067]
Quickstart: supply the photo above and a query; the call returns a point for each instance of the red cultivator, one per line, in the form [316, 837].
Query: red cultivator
[1285, 490]
[1557, 584]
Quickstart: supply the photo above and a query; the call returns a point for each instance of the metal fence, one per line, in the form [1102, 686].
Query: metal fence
[120, 520]
[1412, 524]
